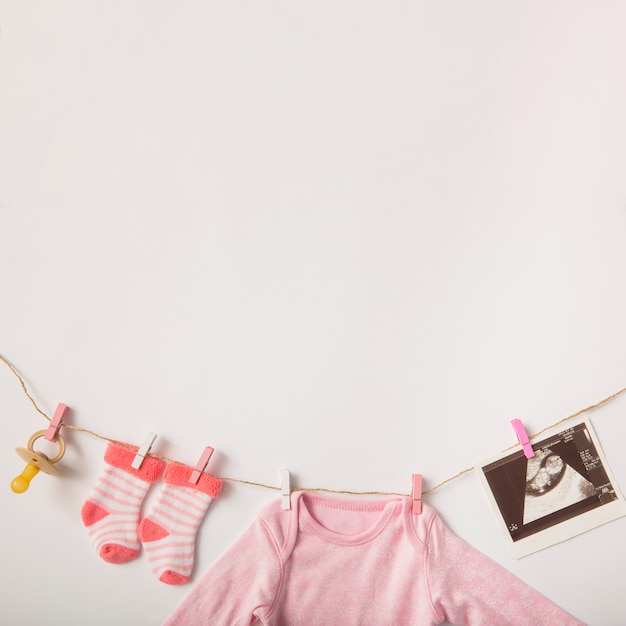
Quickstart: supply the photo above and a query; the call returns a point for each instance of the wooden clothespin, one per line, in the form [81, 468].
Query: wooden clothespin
[143, 451]
[203, 461]
[55, 422]
[285, 480]
[416, 494]
[522, 437]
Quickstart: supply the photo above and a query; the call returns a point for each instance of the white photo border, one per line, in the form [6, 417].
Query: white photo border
[566, 522]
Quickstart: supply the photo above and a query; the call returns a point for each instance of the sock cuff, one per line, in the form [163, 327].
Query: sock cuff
[122, 457]
[178, 474]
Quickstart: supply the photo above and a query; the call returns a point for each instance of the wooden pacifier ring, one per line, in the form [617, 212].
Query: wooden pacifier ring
[58, 439]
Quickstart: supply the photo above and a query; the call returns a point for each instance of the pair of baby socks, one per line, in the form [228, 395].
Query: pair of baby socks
[168, 533]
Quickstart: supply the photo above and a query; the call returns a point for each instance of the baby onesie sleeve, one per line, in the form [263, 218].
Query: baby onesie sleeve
[239, 588]
[469, 588]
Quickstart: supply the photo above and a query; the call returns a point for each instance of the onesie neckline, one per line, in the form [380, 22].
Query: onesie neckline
[387, 508]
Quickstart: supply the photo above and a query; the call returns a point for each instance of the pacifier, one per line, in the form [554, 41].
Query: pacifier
[36, 461]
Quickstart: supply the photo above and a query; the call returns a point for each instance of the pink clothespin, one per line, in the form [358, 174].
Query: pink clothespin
[142, 453]
[416, 494]
[522, 437]
[55, 422]
[285, 479]
[201, 464]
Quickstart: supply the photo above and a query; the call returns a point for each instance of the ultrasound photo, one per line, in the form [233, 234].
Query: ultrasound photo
[562, 491]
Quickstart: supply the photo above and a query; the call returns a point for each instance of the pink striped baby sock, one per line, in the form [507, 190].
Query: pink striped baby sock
[111, 512]
[168, 533]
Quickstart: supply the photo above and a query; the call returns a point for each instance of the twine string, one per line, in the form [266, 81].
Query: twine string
[324, 489]
[24, 389]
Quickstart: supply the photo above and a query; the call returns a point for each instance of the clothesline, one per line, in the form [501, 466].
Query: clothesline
[324, 489]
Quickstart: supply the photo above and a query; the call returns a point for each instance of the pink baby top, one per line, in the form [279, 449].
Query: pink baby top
[341, 562]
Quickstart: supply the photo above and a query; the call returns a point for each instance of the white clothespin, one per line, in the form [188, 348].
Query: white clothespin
[285, 480]
[143, 450]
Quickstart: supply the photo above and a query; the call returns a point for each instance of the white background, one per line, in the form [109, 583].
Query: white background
[352, 238]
